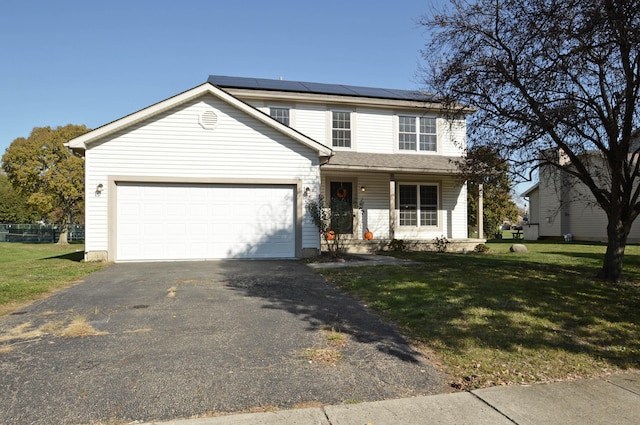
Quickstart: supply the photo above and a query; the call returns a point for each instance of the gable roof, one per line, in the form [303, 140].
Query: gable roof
[529, 191]
[81, 142]
[223, 81]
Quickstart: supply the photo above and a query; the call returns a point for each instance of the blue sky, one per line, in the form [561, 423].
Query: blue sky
[91, 62]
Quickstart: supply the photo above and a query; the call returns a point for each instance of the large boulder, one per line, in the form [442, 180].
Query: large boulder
[518, 247]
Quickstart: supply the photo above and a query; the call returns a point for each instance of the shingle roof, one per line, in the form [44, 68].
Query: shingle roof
[394, 162]
[319, 88]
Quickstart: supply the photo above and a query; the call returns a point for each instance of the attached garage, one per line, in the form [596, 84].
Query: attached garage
[199, 176]
[157, 222]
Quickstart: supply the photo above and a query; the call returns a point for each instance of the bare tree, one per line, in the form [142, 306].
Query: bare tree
[550, 76]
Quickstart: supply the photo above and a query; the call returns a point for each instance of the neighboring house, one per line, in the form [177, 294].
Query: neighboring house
[224, 170]
[561, 207]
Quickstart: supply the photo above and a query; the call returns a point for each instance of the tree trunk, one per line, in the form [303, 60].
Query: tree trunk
[617, 234]
[64, 232]
[63, 240]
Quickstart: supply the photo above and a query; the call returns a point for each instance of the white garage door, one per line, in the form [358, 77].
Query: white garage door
[197, 222]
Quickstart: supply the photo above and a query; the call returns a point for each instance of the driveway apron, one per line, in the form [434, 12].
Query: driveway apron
[187, 339]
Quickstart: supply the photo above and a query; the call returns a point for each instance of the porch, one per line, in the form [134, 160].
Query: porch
[355, 246]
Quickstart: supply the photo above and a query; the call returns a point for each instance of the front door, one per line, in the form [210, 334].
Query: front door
[342, 207]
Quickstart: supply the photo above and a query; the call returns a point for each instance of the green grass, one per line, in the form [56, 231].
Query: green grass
[501, 318]
[30, 271]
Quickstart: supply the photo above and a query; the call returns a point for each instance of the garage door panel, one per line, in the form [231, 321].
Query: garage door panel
[165, 222]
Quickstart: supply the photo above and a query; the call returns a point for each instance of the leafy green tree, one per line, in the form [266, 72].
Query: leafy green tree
[483, 165]
[13, 205]
[550, 76]
[49, 174]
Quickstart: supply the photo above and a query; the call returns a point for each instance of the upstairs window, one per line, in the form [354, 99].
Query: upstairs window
[418, 205]
[341, 129]
[417, 134]
[280, 114]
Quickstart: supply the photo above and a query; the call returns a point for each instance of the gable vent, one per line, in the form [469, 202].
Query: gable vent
[208, 120]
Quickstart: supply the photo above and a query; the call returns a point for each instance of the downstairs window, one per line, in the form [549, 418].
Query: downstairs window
[418, 205]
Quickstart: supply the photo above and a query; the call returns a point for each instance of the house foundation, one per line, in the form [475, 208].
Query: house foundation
[381, 245]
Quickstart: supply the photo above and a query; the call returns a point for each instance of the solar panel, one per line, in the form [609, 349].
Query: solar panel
[319, 88]
[280, 85]
[330, 89]
[224, 81]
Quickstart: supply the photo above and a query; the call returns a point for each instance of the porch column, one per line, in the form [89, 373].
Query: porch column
[480, 211]
[392, 206]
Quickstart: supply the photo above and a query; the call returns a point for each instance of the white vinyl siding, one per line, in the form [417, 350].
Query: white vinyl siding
[577, 214]
[375, 202]
[586, 221]
[311, 121]
[451, 136]
[454, 204]
[174, 145]
[534, 204]
[375, 131]
[550, 217]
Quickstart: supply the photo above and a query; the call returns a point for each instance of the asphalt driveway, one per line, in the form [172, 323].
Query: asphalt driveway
[186, 339]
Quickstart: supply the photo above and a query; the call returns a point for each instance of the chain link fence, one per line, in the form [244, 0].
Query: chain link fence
[39, 233]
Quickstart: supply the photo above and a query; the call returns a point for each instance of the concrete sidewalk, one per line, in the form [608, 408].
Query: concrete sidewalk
[614, 399]
[364, 260]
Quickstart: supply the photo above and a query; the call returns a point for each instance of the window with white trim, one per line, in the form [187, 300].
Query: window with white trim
[418, 205]
[417, 133]
[280, 114]
[341, 129]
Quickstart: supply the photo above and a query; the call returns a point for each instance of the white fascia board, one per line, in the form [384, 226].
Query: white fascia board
[81, 142]
[527, 192]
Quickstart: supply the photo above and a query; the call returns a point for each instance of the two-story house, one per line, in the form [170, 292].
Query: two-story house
[224, 170]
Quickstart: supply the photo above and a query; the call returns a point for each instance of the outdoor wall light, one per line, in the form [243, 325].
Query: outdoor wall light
[99, 189]
[307, 192]
[363, 189]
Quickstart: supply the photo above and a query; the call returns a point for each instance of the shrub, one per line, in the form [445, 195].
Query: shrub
[441, 243]
[396, 245]
[481, 248]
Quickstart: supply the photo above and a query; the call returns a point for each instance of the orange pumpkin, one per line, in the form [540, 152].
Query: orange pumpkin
[368, 235]
[331, 235]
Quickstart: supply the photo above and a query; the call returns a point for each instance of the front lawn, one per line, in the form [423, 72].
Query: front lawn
[30, 271]
[500, 318]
